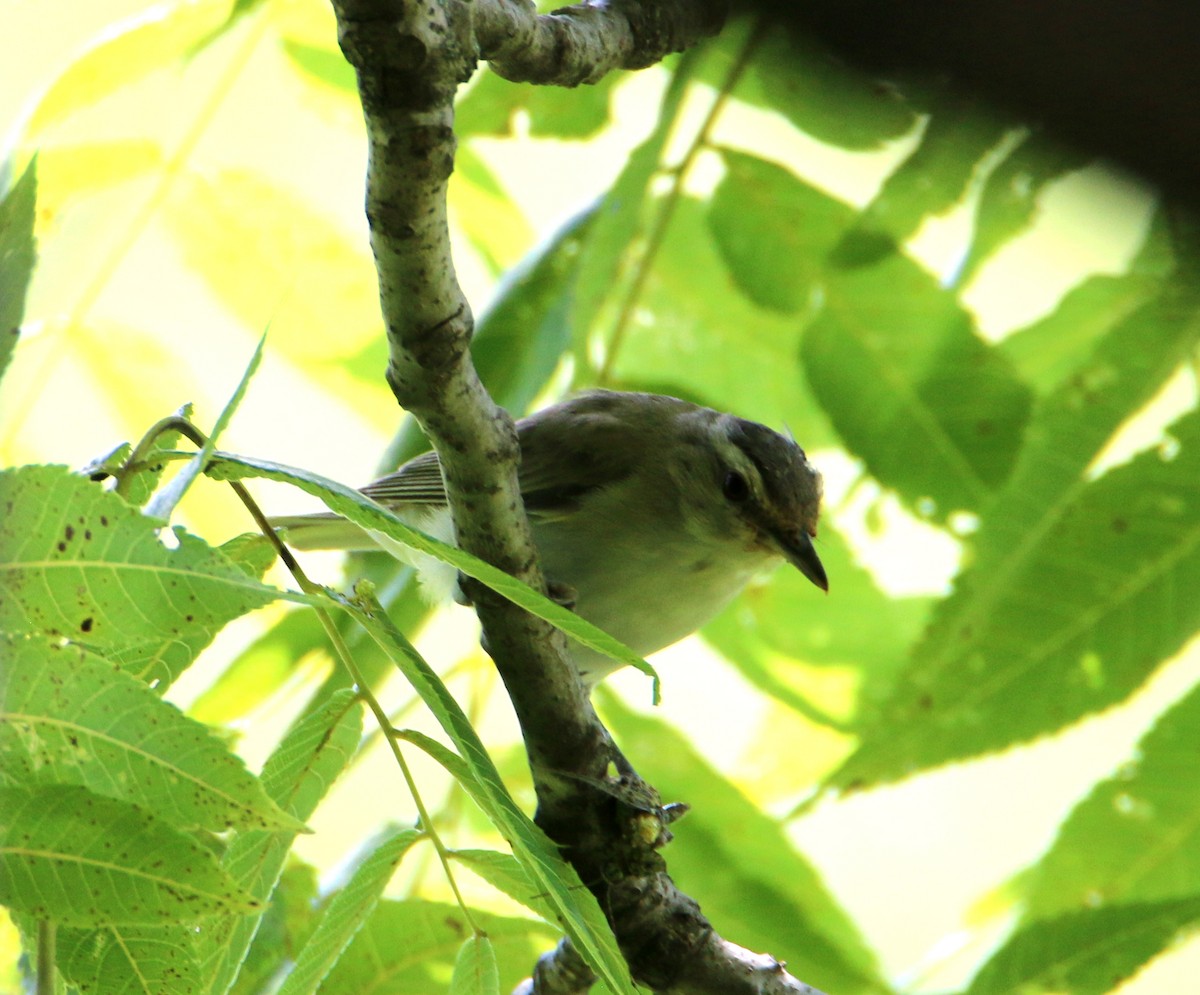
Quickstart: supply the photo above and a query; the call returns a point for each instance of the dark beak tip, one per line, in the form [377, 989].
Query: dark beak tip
[804, 558]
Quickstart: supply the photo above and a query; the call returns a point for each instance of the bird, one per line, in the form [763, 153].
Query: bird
[649, 514]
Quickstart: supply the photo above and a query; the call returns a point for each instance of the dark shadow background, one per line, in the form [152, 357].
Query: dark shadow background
[1120, 78]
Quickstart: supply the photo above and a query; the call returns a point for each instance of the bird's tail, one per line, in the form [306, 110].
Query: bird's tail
[323, 531]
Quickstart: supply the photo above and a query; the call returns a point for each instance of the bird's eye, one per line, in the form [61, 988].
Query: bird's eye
[734, 487]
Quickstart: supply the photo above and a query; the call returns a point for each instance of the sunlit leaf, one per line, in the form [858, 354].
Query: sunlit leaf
[932, 410]
[71, 171]
[83, 860]
[346, 912]
[485, 213]
[17, 253]
[152, 39]
[1085, 953]
[1136, 837]
[272, 259]
[129, 960]
[505, 873]
[297, 776]
[1046, 352]
[475, 968]
[1093, 603]
[260, 669]
[282, 931]
[492, 102]
[773, 230]
[433, 935]
[786, 620]
[67, 717]
[1008, 204]
[617, 218]
[941, 709]
[696, 336]
[323, 63]
[820, 94]
[522, 336]
[576, 909]
[929, 182]
[78, 561]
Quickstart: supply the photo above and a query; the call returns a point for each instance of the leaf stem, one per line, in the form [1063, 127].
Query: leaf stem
[670, 201]
[45, 957]
[347, 660]
[185, 427]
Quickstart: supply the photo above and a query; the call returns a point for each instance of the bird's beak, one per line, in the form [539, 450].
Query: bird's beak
[800, 553]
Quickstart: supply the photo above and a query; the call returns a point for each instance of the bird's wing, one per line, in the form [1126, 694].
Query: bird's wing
[553, 462]
[419, 481]
[560, 467]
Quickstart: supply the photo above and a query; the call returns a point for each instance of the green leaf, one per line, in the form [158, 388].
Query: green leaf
[67, 717]
[1136, 837]
[486, 214]
[77, 561]
[575, 907]
[271, 258]
[347, 911]
[129, 960]
[506, 874]
[362, 511]
[813, 88]
[80, 859]
[283, 931]
[433, 935]
[934, 178]
[1085, 615]
[1008, 204]
[617, 218]
[297, 776]
[773, 230]
[1089, 952]
[1048, 351]
[18, 250]
[68, 173]
[155, 37]
[475, 969]
[694, 335]
[490, 105]
[761, 632]
[1018, 597]
[729, 855]
[323, 63]
[260, 669]
[933, 411]
[522, 336]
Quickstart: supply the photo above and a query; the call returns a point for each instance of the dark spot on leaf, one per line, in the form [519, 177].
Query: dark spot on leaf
[87, 533]
[62, 546]
[70, 532]
[1120, 526]
[984, 427]
[103, 519]
[925, 702]
[86, 624]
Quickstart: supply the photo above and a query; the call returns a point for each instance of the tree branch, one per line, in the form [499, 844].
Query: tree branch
[585, 42]
[410, 58]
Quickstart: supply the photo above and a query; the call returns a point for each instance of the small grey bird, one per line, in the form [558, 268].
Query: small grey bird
[648, 512]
